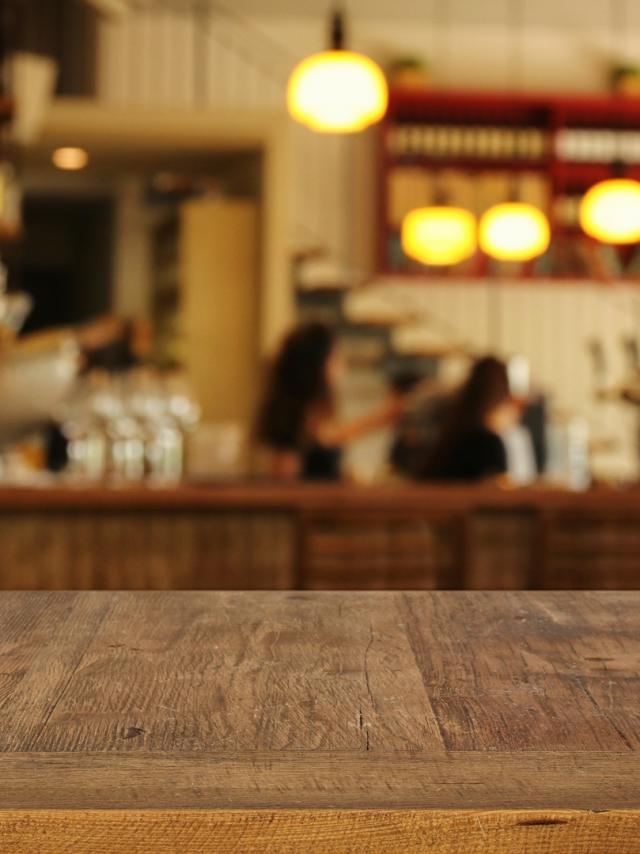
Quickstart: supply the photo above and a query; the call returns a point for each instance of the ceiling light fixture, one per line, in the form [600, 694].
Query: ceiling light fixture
[439, 235]
[337, 90]
[70, 158]
[514, 231]
[610, 211]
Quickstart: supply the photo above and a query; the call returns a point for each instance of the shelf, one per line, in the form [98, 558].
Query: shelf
[467, 164]
[515, 109]
[572, 141]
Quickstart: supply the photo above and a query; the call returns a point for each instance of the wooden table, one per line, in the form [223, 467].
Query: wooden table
[319, 722]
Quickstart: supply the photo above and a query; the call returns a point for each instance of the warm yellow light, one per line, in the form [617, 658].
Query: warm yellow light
[439, 235]
[70, 158]
[337, 91]
[610, 211]
[514, 231]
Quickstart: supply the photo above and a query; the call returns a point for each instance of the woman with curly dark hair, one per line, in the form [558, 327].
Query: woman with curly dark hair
[297, 421]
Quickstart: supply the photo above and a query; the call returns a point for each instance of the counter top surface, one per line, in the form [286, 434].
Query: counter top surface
[279, 495]
[320, 700]
[319, 723]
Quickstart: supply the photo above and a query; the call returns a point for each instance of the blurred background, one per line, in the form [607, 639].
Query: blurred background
[169, 213]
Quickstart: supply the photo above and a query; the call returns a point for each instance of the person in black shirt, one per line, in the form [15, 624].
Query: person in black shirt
[297, 421]
[470, 445]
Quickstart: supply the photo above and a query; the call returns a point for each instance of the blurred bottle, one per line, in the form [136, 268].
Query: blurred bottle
[568, 459]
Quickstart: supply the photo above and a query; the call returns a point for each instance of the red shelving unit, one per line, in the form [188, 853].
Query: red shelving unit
[572, 140]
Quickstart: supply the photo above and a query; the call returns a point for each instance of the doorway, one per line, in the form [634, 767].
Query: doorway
[64, 261]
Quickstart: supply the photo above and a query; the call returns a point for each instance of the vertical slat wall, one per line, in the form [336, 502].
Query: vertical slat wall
[188, 56]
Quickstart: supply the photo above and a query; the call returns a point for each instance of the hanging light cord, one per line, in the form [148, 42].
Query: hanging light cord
[337, 37]
[516, 25]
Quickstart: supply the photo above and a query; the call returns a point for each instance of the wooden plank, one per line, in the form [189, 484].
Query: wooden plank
[518, 677]
[43, 638]
[320, 832]
[294, 779]
[258, 672]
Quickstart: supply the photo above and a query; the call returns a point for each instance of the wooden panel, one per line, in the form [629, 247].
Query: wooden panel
[267, 536]
[585, 549]
[502, 551]
[350, 550]
[158, 550]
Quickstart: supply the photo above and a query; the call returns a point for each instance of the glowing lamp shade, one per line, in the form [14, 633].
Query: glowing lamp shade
[439, 235]
[610, 211]
[70, 158]
[337, 91]
[514, 231]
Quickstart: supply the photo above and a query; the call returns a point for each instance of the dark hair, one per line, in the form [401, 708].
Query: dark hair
[296, 385]
[486, 388]
[117, 354]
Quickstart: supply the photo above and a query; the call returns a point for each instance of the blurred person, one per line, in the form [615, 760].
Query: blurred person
[115, 343]
[421, 423]
[108, 342]
[297, 420]
[471, 446]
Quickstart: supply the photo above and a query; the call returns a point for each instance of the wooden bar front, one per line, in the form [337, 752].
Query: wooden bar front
[265, 536]
[320, 723]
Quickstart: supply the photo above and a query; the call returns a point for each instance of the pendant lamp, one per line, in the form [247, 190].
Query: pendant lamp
[337, 90]
[610, 211]
[514, 231]
[439, 235]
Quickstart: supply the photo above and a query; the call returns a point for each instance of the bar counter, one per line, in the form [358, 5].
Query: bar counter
[259, 535]
[320, 723]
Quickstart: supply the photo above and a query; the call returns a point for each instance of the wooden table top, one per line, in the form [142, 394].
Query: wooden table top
[320, 722]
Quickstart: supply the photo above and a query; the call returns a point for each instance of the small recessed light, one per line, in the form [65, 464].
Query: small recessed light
[70, 158]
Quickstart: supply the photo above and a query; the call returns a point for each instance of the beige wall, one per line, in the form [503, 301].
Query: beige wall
[125, 129]
[220, 306]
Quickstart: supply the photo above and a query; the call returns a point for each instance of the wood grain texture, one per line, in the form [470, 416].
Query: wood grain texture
[260, 536]
[320, 722]
[139, 550]
[596, 781]
[320, 832]
[394, 549]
